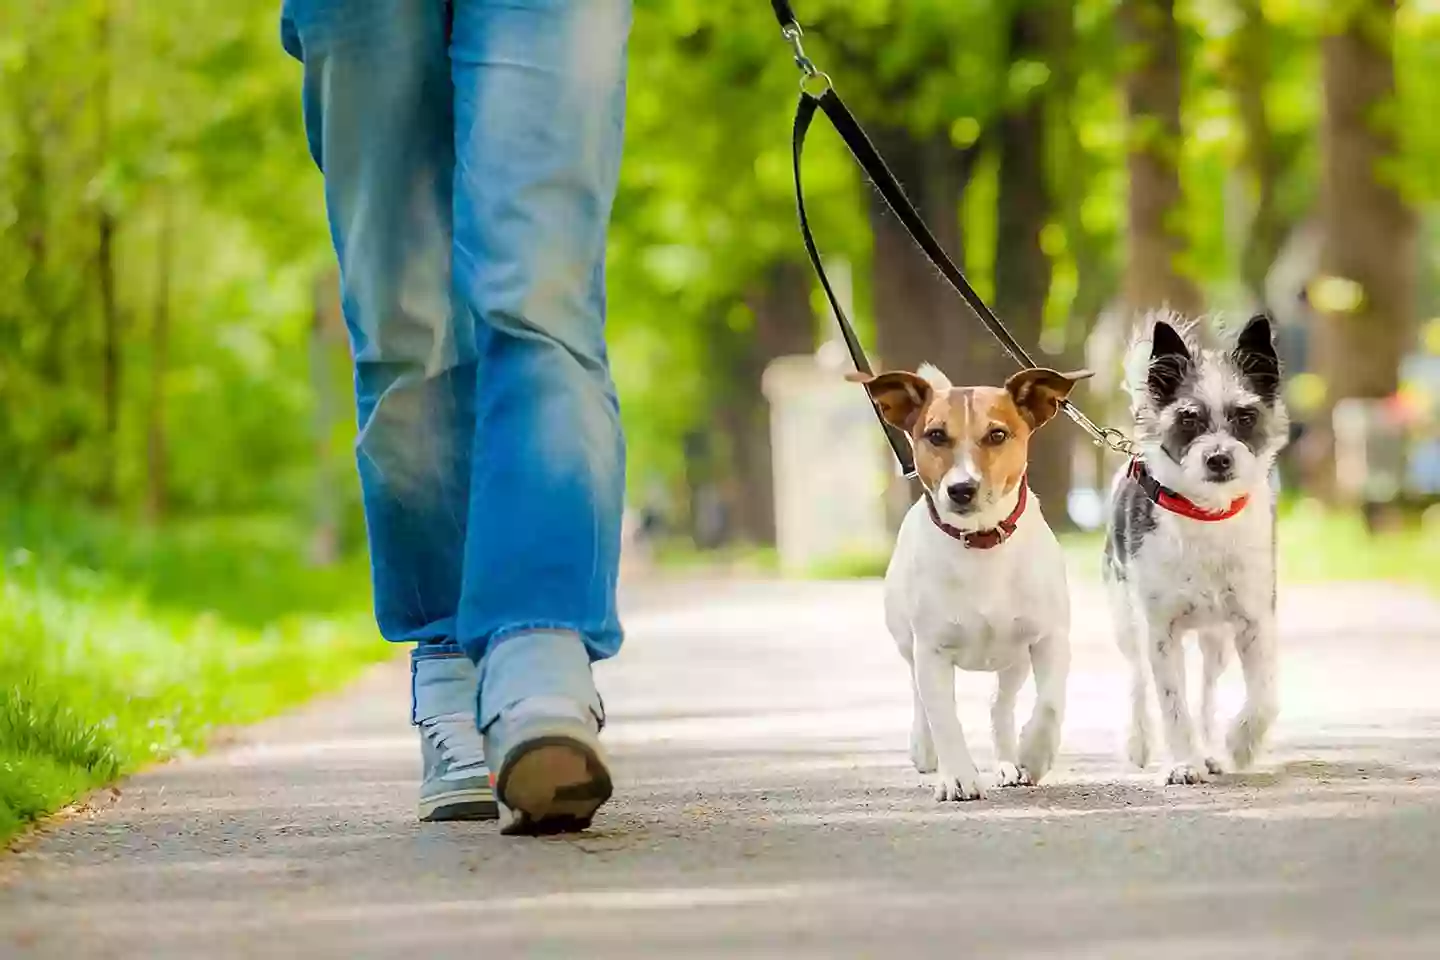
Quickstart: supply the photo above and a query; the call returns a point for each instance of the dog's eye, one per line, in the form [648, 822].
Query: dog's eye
[996, 437]
[937, 437]
[1245, 417]
[1188, 420]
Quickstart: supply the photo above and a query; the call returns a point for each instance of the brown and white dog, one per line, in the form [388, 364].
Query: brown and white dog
[977, 579]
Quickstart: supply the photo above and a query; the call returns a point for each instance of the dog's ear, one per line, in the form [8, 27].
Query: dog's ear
[900, 396]
[1170, 362]
[1037, 392]
[1255, 356]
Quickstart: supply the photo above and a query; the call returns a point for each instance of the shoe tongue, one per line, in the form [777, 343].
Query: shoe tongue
[450, 726]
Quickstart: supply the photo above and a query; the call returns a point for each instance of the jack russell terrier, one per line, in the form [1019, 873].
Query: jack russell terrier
[977, 579]
[1191, 544]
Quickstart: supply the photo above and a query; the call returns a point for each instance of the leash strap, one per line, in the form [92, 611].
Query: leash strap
[827, 101]
[804, 114]
[874, 166]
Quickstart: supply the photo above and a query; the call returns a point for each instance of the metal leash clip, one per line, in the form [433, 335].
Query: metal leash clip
[793, 34]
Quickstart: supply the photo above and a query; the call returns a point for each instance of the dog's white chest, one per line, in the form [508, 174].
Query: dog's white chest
[1208, 571]
[980, 610]
[974, 637]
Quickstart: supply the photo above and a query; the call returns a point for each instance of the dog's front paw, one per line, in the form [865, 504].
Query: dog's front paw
[1009, 775]
[1185, 774]
[922, 754]
[964, 786]
[1137, 749]
[1245, 739]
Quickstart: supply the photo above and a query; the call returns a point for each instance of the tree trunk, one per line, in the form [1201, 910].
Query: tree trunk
[1077, 173]
[105, 227]
[32, 212]
[1022, 269]
[156, 448]
[326, 332]
[784, 325]
[1153, 276]
[1249, 69]
[1366, 292]
[918, 317]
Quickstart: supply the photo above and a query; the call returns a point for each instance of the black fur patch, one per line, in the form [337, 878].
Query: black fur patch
[1244, 425]
[1192, 421]
[1132, 517]
[1256, 359]
[1170, 363]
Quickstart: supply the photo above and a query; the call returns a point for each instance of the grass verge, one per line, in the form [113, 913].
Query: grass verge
[1316, 545]
[120, 648]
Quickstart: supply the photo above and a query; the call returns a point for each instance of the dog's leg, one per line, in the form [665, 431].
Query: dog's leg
[1255, 644]
[1138, 744]
[1040, 740]
[1002, 722]
[935, 679]
[1167, 661]
[1130, 637]
[922, 744]
[1212, 649]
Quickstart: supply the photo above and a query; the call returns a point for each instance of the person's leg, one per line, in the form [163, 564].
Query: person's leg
[539, 106]
[379, 119]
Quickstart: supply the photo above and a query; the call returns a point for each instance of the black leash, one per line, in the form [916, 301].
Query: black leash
[818, 93]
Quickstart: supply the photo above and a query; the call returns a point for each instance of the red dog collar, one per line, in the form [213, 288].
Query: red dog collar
[984, 539]
[1168, 499]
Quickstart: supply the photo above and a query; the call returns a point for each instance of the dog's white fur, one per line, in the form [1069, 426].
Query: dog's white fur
[1006, 611]
[1213, 579]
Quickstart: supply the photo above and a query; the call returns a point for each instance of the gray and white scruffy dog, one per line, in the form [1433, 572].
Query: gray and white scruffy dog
[1191, 544]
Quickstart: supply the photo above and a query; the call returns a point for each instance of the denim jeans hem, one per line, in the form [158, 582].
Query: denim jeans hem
[433, 649]
[442, 684]
[553, 662]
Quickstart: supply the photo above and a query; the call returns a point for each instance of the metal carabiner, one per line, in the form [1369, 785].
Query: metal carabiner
[813, 80]
[792, 33]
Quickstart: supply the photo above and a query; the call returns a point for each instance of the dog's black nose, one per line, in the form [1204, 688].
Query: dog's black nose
[1219, 464]
[963, 494]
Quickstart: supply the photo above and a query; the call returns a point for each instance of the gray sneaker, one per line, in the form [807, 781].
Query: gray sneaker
[553, 771]
[541, 716]
[456, 783]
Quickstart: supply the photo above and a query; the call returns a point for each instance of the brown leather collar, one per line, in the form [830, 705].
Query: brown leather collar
[984, 539]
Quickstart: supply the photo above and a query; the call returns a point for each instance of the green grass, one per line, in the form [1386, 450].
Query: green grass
[119, 648]
[1316, 545]
[681, 557]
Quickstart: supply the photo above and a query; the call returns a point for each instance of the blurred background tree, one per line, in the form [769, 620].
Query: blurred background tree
[170, 342]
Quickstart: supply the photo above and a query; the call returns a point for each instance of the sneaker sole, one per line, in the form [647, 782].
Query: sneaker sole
[552, 784]
[478, 804]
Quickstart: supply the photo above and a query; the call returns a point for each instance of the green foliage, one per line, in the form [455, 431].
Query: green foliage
[1316, 546]
[120, 650]
[128, 111]
[188, 114]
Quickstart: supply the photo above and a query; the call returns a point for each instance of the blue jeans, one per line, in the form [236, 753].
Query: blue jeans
[470, 150]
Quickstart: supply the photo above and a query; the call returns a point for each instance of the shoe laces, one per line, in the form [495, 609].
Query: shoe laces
[455, 736]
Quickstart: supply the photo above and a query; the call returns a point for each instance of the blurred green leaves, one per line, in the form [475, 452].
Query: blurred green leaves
[203, 113]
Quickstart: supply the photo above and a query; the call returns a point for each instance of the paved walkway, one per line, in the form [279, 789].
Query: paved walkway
[766, 808]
